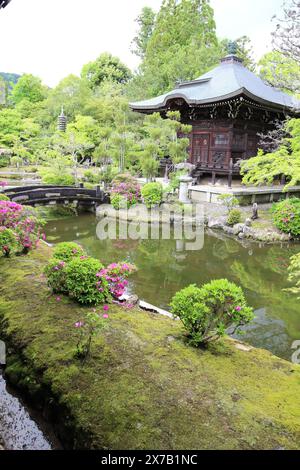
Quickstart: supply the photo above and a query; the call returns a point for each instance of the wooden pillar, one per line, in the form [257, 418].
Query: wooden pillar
[213, 178]
[282, 180]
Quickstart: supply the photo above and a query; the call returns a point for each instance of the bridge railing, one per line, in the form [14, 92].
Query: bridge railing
[42, 194]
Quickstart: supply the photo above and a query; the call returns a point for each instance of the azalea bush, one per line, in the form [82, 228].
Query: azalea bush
[65, 251]
[208, 311]
[10, 214]
[116, 275]
[23, 222]
[56, 275]
[286, 216]
[83, 278]
[125, 193]
[81, 281]
[152, 194]
[8, 241]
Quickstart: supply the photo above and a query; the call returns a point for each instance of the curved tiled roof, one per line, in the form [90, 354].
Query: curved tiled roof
[228, 80]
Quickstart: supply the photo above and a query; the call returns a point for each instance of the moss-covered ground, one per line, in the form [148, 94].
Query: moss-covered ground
[143, 386]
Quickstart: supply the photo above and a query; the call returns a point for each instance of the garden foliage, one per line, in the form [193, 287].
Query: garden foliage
[286, 216]
[234, 217]
[84, 278]
[125, 192]
[152, 194]
[26, 227]
[208, 311]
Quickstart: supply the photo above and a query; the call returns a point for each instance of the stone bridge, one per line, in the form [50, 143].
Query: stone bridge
[49, 194]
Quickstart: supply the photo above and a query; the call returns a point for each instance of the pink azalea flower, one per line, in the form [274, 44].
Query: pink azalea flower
[58, 299]
[105, 315]
[105, 308]
[79, 324]
[238, 308]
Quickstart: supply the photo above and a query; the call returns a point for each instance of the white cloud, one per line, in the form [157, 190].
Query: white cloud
[54, 38]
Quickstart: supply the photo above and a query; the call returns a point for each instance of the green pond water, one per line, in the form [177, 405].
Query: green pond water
[165, 266]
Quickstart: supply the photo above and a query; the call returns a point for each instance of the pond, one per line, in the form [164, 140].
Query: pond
[164, 267]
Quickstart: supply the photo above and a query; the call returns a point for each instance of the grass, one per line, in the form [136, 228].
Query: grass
[143, 386]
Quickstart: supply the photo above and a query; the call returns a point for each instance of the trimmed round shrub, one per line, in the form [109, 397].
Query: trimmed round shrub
[152, 194]
[8, 241]
[286, 216]
[82, 282]
[208, 311]
[3, 197]
[120, 202]
[66, 251]
[56, 275]
[234, 217]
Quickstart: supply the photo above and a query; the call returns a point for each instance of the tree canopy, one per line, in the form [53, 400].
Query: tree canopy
[105, 67]
[265, 168]
[182, 45]
[30, 88]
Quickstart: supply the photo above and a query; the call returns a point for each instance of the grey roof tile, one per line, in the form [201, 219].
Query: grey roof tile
[227, 80]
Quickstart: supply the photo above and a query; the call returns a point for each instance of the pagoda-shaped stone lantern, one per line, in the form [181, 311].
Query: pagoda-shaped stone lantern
[62, 121]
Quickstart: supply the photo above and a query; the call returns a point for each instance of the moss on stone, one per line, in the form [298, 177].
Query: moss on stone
[143, 386]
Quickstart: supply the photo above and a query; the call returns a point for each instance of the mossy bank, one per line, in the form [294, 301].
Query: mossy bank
[142, 387]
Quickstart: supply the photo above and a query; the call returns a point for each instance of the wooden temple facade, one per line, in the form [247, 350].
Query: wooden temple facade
[227, 108]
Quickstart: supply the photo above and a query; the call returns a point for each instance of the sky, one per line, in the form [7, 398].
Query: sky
[53, 38]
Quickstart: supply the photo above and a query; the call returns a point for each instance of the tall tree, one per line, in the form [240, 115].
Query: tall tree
[28, 88]
[146, 22]
[183, 45]
[281, 67]
[280, 71]
[286, 37]
[105, 67]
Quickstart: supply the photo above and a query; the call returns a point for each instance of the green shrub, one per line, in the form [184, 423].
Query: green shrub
[66, 251]
[56, 275]
[92, 177]
[152, 194]
[81, 281]
[3, 197]
[286, 216]
[124, 178]
[175, 179]
[57, 178]
[234, 217]
[4, 161]
[207, 312]
[229, 201]
[8, 241]
[118, 201]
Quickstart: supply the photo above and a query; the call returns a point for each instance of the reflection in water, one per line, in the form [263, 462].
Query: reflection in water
[165, 267]
[17, 429]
